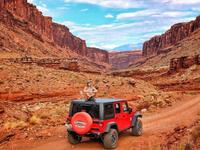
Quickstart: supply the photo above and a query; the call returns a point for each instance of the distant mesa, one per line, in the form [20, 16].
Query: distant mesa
[122, 60]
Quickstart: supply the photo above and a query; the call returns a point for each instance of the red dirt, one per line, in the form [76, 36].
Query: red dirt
[156, 126]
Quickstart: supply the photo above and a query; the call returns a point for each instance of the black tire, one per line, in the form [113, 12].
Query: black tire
[73, 138]
[137, 130]
[110, 139]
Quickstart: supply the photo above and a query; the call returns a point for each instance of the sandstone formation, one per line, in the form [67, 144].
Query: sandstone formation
[183, 62]
[163, 43]
[20, 14]
[96, 54]
[64, 38]
[121, 60]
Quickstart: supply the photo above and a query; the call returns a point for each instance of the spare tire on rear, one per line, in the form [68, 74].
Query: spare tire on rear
[81, 123]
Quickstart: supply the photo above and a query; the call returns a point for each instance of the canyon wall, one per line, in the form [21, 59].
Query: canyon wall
[162, 43]
[99, 55]
[20, 14]
[121, 60]
[32, 19]
[63, 38]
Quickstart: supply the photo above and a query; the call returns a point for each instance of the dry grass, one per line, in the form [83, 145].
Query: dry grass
[14, 124]
[195, 133]
[181, 146]
[35, 120]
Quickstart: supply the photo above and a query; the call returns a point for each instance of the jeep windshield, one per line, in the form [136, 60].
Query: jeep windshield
[92, 109]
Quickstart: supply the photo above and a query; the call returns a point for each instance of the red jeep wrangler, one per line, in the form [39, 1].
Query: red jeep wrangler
[102, 118]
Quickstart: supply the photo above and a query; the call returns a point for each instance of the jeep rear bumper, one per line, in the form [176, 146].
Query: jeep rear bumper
[92, 133]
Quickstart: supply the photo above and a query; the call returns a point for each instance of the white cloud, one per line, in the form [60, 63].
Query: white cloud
[69, 24]
[195, 9]
[182, 2]
[152, 13]
[105, 46]
[110, 3]
[62, 8]
[137, 14]
[109, 16]
[133, 3]
[174, 14]
[43, 8]
[31, 1]
[83, 10]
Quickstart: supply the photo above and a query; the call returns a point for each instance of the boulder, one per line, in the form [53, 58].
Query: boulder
[72, 66]
[183, 62]
[132, 82]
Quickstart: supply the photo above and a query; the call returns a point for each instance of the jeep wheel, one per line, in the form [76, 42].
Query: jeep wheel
[137, 130]
[110, 139]
[73, 138]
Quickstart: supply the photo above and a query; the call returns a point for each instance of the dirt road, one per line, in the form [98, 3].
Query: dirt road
[155, 125]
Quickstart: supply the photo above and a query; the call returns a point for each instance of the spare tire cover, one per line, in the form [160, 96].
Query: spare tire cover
[81, 122]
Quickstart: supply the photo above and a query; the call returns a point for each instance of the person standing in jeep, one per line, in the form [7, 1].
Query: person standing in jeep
[90, 91]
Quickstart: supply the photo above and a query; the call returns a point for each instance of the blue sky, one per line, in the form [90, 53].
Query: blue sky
[108, 24]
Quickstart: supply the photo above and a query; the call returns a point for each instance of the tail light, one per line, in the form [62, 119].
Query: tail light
[100, 122]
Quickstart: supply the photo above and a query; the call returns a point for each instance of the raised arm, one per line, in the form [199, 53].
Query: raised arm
[85, 90]
[94, 90]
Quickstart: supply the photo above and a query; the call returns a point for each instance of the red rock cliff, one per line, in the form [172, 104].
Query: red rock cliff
[97, 54]
[121, 60]
[28, 13]
[19, 13]
[64, 39]
[176, 33]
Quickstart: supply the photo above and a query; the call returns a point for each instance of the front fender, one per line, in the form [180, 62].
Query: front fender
[111, 125]
[135, 118]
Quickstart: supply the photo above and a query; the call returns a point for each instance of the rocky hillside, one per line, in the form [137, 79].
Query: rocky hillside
[121, 60]
[187, 47]
[164, 42]
[18, 14]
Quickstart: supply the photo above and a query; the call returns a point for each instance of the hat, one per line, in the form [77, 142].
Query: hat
[89, 81]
